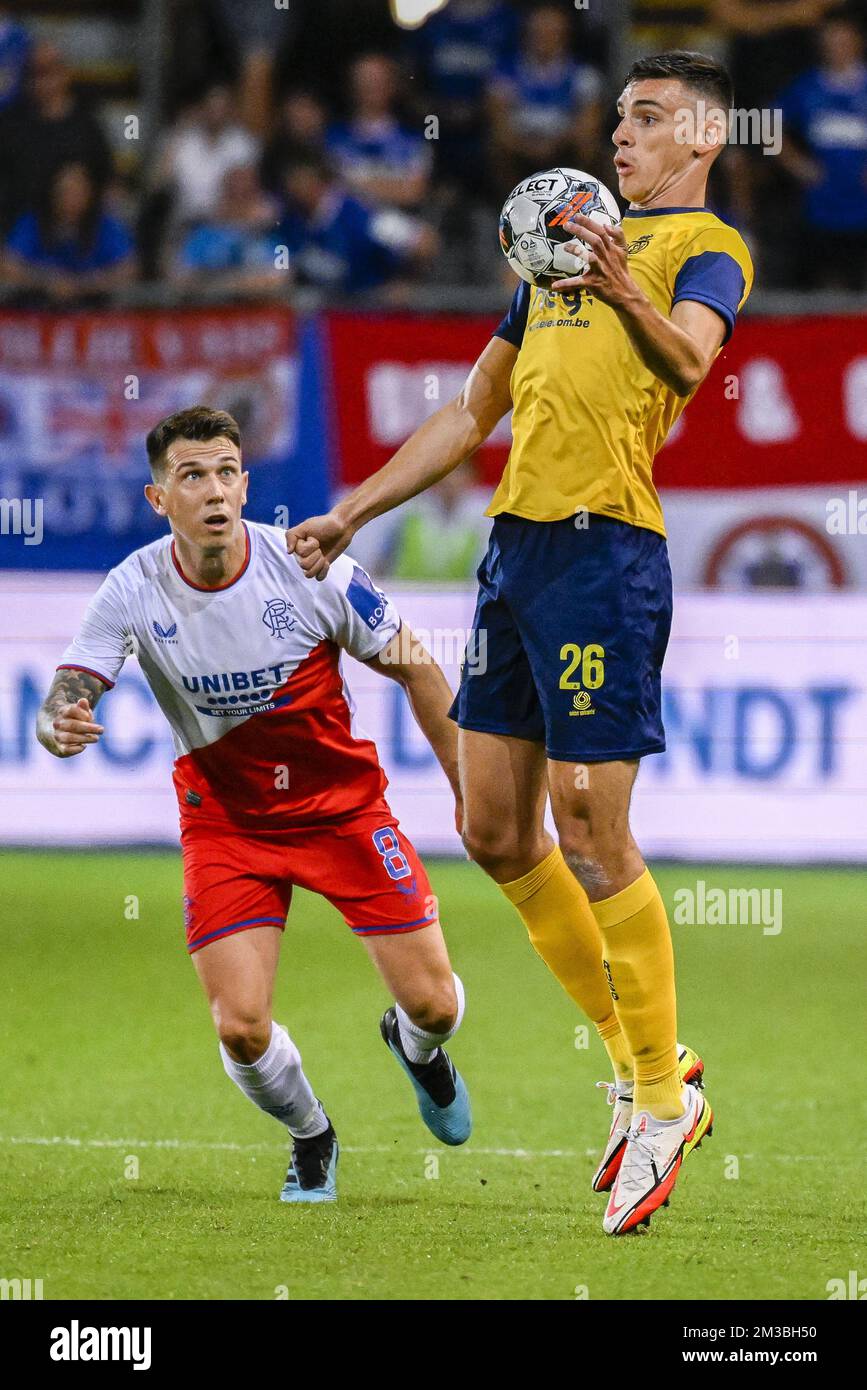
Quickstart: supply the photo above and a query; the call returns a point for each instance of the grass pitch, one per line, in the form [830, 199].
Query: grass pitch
[132, 1168]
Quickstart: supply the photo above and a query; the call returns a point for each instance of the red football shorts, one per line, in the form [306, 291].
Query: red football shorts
[365, 866]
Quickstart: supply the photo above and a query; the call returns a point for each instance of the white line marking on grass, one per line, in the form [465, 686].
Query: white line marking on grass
[72, 1142]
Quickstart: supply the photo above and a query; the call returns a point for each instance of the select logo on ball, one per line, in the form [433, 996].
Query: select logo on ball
[532, 224]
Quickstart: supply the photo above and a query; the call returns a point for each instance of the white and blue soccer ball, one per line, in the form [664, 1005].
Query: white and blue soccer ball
[531, 223]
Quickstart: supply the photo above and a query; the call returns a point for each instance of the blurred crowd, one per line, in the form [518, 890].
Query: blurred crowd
[318, 146]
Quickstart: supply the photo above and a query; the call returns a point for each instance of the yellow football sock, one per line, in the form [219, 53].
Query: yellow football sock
[616, 1046]
[639, 962]
[563, 931]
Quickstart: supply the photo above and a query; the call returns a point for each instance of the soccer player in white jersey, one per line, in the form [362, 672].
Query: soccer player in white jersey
[276, 785]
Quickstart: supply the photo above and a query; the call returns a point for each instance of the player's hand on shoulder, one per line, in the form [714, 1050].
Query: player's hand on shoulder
[317, 541]
[73, 728]
[308, 552]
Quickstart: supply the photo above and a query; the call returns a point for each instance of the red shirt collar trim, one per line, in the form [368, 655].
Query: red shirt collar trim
[217, 588]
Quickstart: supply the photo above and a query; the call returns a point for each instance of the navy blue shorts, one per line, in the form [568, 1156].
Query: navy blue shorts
[569, 637]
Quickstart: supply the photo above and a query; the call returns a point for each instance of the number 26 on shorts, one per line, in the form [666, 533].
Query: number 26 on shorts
[591, 660]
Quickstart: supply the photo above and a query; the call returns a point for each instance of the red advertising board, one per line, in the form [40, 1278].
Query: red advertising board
[785, 403]
[161, 340]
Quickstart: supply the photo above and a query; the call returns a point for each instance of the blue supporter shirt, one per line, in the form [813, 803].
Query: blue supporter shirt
[546, 97]
[384, 149]
[111, 244]
[830, 118]
[219, 246]
[15, 45]
[344, 246]
[460, 46]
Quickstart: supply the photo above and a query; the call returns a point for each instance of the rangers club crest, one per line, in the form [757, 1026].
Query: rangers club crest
[277, 617]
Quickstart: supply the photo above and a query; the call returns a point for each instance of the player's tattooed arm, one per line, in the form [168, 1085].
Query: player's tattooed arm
[65, 723]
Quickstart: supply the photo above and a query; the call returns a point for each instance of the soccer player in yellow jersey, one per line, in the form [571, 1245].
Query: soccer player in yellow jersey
[575, 596]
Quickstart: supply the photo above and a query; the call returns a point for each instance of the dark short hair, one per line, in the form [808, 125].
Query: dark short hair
[315, 161]
[697, 71]
[197, 422]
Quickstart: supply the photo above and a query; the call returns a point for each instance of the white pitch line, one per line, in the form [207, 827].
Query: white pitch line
[72, 1142]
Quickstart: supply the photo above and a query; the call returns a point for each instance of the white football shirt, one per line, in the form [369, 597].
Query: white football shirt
[249, 678]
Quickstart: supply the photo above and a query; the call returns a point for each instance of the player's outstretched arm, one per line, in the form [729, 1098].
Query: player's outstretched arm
[406, 660]
[437, 446]
[65, 723]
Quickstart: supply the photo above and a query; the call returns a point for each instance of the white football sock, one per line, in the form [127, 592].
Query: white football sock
[419, 1045]
[277, 1084]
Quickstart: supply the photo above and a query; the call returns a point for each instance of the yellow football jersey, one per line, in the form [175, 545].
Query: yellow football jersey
[588, 415]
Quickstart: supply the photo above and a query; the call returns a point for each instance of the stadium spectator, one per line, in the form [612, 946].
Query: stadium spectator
[440, 536]
[234, 252]
[14, 52]
[768, 46]
[300, 126]
[69, 249]
[769, 43]
[454, 55]
[256, 34]
[825, 116]
[199, 151]
[544, 106]
[338, 244]
[50, 127]
[377, 157]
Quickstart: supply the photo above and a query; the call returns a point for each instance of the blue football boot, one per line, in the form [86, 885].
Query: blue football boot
[443, 1102]
[312, 1171]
